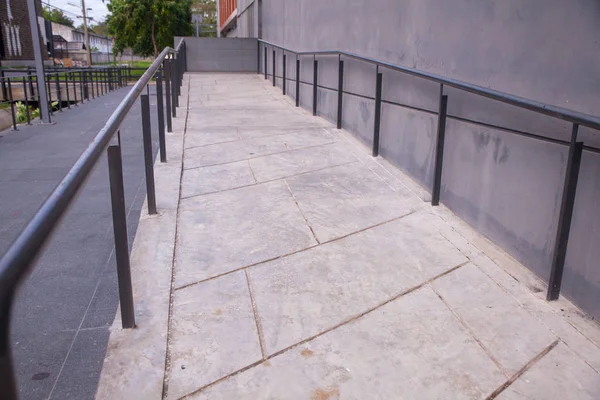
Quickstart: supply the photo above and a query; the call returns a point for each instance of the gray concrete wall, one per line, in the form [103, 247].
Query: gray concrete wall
[221, 54]
[505, 185]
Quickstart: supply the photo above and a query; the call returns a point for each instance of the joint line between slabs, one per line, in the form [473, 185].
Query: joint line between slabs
[301, 212]
[345, 322]
[259, 328]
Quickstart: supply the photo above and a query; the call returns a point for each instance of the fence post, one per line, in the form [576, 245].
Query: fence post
[284, 70]
[12, 106]
[148, 159]
[4, 92]
[377, 125]
[58, 95]
[117, 196]
[49, 88]
[8, 387]
[168, 94]
[340, 93]
[274, 67]
[81, 87]
[266, 64]
[315, 79]
[74, 87]
[26, 98]
[161, 117]
[297, 82]
[258, 58]
[68, 95]
[565, 216]
[91, 80]
[439, 151]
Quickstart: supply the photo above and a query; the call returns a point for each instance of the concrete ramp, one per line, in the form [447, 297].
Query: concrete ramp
[286, 263]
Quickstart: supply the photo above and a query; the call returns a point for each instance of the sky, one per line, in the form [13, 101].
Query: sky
[98, 12]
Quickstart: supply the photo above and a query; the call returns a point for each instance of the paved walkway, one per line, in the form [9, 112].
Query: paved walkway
[286, 263]
[62, 313]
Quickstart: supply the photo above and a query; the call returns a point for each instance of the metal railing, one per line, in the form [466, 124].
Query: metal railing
[575, 118]
[19, 259]
[64, 86]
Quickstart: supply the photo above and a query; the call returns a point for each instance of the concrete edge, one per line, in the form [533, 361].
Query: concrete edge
[135, 361]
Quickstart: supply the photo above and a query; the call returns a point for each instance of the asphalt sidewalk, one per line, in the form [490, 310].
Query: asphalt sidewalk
[62, 313]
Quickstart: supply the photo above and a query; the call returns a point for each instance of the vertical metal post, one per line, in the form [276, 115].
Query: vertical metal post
[26, 98]
[95, 73]
[376, 128]
[315, 79]
[85, 85]
[565, 216]
[274, 68]
[30, 81]
[148, 159]
[297, 82]
[266, 64]
[81, 87]
[68, 94]
[39, 62]
[340, 93]
[58, 95]
[173, 87]
[12, 106]
[258, 58]
[161, 117]
[117, 196]
[284, 71]
[439, 151]
[168, 95]
[49, 87]
[91, 80]
[4, 93]
[8, 387]
[74, 87]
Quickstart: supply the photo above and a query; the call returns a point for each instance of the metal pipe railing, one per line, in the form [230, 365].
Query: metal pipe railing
[575, 118]
[19, 259]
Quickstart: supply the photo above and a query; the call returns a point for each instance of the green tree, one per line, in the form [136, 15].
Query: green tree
[56, 15]
[148, 25]
[100, 28]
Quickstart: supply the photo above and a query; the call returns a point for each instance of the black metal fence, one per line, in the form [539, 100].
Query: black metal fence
[20, 258]
[575, 118]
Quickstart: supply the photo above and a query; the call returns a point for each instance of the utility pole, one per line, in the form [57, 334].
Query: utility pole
[39, 62]
[85, 32]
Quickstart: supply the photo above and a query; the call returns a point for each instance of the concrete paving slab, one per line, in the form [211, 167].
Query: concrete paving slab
[213, 333]
[552, 378]
[213, 136]
[295, 162]
[216, 178]
[224, 231]
[419, 350]
[345, 199]
[309, 292]
[510, 334]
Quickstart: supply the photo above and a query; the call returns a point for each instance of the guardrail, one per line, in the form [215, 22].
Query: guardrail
[575, 118]
[19, 259]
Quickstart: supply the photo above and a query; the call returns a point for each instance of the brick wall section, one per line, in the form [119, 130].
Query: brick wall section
[16, 32]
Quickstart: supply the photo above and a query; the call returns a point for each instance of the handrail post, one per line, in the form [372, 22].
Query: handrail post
[565, 216]
[315, 78]
[8, 386]
[81, 87]
[91, 79]
[117, 196]
[4, 92]
[297, 82]
[439, 148]
[167, 69]
[147, 139]
[340, 93]
[274, 66]
[161, 117]
[258, 58]
[49, 88]
[377, 124]
[284, 74]
[266, 64]
[173, 78]
[58, 95]
[68, 95]
[74, 87]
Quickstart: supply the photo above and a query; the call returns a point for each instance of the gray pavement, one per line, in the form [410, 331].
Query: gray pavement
[63, 311]
[289, 264]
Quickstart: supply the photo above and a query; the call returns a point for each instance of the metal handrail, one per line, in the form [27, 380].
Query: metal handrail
[20, 256]
[576, 117]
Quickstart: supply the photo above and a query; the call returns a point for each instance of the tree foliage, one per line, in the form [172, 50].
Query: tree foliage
[208, 10]
[148, 26]
[56, 15]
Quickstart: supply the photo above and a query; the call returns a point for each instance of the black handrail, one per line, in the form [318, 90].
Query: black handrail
[575, 118]
[590, 121]
[21, 255]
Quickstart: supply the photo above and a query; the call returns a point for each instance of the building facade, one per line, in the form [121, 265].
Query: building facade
[498, 179]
